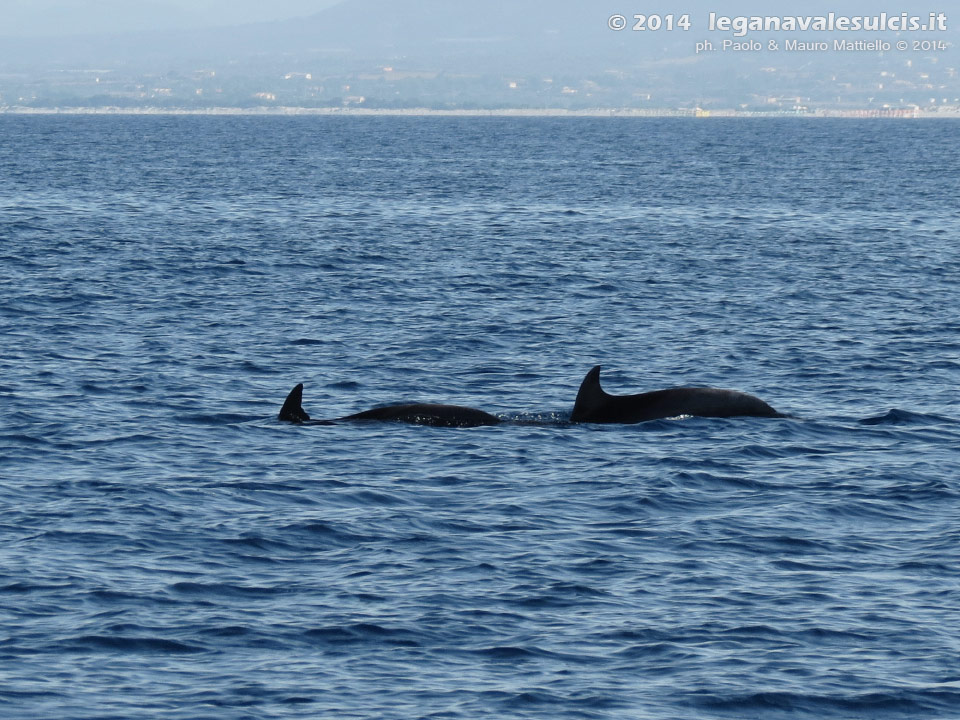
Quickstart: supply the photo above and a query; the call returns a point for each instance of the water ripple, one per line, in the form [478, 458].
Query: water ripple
[169, 549]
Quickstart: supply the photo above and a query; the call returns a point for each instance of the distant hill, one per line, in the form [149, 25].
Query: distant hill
[60, 18]
[528, 33]
[462, 53]
[454, 35]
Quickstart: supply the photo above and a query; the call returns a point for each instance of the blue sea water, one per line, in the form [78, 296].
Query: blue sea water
[168, 549]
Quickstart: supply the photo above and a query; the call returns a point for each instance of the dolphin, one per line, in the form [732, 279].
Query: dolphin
[593, 405]
[415, 413]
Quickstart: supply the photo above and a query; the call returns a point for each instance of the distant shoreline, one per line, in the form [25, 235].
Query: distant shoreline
[892, 113]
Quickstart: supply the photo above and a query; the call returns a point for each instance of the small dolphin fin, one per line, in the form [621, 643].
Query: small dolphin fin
[590, 396]
[291, 410]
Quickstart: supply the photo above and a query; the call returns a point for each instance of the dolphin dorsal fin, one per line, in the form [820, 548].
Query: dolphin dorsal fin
[589, 398]
[291, 410]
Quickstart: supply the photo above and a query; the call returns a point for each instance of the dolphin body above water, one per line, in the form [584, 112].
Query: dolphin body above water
[415, 414]
[594, 405]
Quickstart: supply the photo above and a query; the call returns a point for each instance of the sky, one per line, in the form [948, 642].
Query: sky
[39, 18]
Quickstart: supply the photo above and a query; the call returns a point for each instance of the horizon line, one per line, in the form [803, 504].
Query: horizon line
[698, 113]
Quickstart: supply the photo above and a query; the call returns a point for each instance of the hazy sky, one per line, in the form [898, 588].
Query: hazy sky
[454, 35]
[32, 18]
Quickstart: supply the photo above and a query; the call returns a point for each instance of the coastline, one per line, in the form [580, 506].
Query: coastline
[886, 113]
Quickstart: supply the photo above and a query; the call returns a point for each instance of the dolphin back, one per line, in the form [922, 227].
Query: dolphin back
[413, 413]
[594, 405]
[429, 414]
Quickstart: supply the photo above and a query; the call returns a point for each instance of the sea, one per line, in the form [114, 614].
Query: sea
[170, 550]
